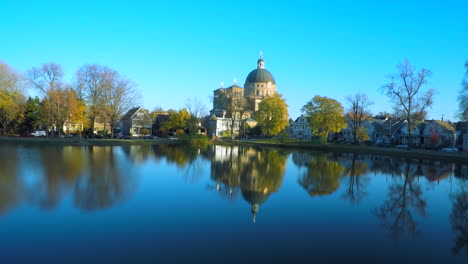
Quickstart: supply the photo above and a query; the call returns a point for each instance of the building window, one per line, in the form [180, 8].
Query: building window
[258, 92]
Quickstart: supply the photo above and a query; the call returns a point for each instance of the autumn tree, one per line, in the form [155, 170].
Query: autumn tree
[407, 90]
[463, 97]
[325, 115]
[11, 96]
[61, 105]
[358, 111]
[272, 115]
[177, 120]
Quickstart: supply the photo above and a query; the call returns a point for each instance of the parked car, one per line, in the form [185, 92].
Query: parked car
[39, 133]
[450, 149]
[401, 146]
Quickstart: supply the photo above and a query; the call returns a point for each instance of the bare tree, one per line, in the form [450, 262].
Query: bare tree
[463, 97]
[358, 110]
[119, 97]
[46, 77]
[235, 106]
[92, 81]
[197, 111]
[407, 91]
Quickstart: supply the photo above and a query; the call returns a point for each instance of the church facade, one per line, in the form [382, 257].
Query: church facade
[258, 84]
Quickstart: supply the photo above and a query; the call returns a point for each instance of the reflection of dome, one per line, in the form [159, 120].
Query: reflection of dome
[260, 76]
[255, 197]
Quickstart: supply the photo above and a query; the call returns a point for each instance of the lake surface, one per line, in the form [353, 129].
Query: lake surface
[139, 204]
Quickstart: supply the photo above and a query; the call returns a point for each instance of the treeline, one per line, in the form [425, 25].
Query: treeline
[98, 93]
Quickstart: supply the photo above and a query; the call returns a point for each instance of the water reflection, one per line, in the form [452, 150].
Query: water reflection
[404, 200]
[391, 192]
[256, 173]
[43, 177]
[322, 176]
[459, 220]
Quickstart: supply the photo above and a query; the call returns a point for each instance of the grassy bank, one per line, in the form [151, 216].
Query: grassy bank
[363, 149]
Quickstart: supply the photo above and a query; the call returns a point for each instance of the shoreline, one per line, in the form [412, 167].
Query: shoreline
[361, 149]
[297, 145]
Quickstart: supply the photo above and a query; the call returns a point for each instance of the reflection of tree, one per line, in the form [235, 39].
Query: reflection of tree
[106, 183]
[356, 183]
[257, 172]
[61, 166]
[397, 211]
[10, 184]
[185, 157]
[322, 176]
[459, 221]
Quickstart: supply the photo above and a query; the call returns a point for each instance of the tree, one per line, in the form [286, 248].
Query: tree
[30, 115]
[358, 111]
[325, 115]
[272, 115]
[197, 111]
[61, 105]
[406, 90]
[47, 77]
[11, 96]
[463, 97]
[361, 134]
[92, 81]
[177, 120]
[235, 105]
[119, 97]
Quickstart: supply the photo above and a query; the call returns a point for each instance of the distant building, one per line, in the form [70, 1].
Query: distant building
[136, 122]
[258, 84]
[439, 134]
[300, 129]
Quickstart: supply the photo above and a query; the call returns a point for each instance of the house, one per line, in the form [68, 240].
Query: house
[388, 131]
[439, 134]
[136, 122]
[300, 129]
[416, 138]
[71, 127]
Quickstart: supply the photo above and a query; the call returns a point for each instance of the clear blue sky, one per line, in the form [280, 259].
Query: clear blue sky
[179, 49]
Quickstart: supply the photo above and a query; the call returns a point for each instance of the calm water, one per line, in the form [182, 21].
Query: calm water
[228, 204]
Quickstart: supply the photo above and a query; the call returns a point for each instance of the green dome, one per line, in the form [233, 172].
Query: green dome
[260, 76]
[254, 197]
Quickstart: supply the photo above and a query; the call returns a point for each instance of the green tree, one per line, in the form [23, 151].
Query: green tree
[325, 115]
[31, 115]
[178, 120]
[272, 115]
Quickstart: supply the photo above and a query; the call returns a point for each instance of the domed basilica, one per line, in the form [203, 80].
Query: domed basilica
[258, 84]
